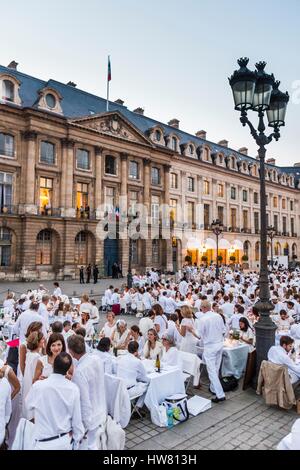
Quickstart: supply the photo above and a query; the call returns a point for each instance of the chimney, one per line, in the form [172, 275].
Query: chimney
[72, 84]
[271, 161]
[119, 101]
[139, 111]
[201, 134]
[243, 150]
[174, 123]
[223, 142]
[13, 65]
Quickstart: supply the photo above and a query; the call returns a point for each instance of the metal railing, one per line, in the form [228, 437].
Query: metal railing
[9, 210]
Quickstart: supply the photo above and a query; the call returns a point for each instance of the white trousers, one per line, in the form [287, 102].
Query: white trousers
[139, 389]
[213, 357]
[62, 443]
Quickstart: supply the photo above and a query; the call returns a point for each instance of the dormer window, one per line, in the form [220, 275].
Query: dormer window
[8, 90]
[50, 100]
[206, 155]
[174, 144]
[191, 149]
[232, 163]
[157, 135]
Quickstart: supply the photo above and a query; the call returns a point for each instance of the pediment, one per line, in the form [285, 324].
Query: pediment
[113, 124]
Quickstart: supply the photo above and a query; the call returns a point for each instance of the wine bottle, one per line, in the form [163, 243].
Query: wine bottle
[157, 363]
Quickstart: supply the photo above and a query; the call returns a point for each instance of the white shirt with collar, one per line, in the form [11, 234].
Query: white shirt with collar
[211, 328]
[55, 403]
[57, 292]
[278, 355]
[89, 377]
[131, 369]
[23, 322]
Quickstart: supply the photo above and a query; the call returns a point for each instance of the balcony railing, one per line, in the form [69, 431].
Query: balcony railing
[9, 210]
[294, 234]
[7, 152]
[234, 229]
[51, 212]
[285, 234]
[245, 230]
[87, 214]
[257, 231]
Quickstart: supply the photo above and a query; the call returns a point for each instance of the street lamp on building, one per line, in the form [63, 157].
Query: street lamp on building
[258, 91]
[217, 228]
[271, 233]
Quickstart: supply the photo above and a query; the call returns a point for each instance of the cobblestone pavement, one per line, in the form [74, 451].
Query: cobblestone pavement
[242, 422]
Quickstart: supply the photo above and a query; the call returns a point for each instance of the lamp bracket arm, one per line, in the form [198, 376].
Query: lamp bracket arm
[244, 120]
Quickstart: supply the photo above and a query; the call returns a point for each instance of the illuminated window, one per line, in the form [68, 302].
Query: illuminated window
[46, 194]
[275, 202]
[82, 204]
[44, 248]
[173, 210]
[206, 187]
[283, 204]
[220, 190]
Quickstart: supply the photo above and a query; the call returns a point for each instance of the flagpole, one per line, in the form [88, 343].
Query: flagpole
[107, 105]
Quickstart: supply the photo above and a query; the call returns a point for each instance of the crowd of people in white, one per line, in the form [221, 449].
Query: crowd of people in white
[58, 378]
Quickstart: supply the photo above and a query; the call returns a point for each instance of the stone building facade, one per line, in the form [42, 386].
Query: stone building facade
[65, 163]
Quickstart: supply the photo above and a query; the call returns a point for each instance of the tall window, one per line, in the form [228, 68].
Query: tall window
[5, 247]
[191, 184]
[245, 220]
[292, 226]
[276, 222]
[155, 209]
[256, 222]
[255, 198]
[155, 175]
[7, 145]
[173, 210]
[109, 199]
[275, 202]
[43, 248]
[5, 192]
[82, 200]
[206, 155]
[233, 192]
[267, 200]
[206, 187]
[133, 200]
[220, 190]
[81, 248]
[83, 159]
[8, 90]
[291, 205]
[257, 248]
[110, 165]
[221, 214]
[283, 203]
[174, 144]
[206, 216]
[155, 251]
[46, 193]
[191, 213]
[284, 224]
[174, 181]
[245, 195]
[134, 170]
[233, 218]
[47, 153]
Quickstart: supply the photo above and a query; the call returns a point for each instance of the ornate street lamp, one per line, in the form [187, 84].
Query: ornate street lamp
[271, 234]
[217, 228]
[258, 91]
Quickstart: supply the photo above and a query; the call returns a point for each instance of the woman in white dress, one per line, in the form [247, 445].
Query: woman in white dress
[171, 355]
[137, 336]
[246, 333]
[87, 324]
[35, 342]
[153, 346]
[44, 368]
[161, 321]
[120, 337]
[109, 326]
[188, 331]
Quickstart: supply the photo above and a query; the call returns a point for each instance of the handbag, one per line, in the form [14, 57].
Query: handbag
[116, 309]
[179, 405]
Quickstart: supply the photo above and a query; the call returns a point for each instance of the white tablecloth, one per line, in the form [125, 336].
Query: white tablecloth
[234, 360]
[168, 382]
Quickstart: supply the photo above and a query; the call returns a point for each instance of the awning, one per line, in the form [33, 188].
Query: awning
[238, 245]
[224, 244]
[210, 244]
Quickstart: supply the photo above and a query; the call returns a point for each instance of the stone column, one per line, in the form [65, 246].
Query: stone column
[169, 255]
[148, 241]
[98, 185]
[124, 173]
[68, 155]
[30, 206]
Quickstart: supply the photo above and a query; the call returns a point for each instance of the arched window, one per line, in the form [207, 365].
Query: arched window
[44, 248]
[247, 248]
[5, 247]
[155, 251]
[257, 248]
[191, 149]
[174, 144]
[206, 155]
[221, 159]
[277, 249]
[294, 249]
[232, 163]
[8, 90]
[157, 135]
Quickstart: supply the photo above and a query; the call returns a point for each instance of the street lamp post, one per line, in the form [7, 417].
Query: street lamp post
[271, 233]
[259, 92]
[129, 274]
[217, 228]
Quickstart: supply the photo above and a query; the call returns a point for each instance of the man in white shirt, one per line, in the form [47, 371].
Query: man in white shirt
[183, 287]
[107, 296]
[212, 329]
[89, 377]
[132, 370]
[55, 403]
[57, 290]
[170, 304]
[280, 355]
[227, 307]
[25, 319]
[43, 311]
[147, 299]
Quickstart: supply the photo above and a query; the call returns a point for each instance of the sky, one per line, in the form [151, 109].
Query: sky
[171, 57]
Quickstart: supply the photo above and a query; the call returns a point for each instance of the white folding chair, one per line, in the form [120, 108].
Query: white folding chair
[134, 407]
